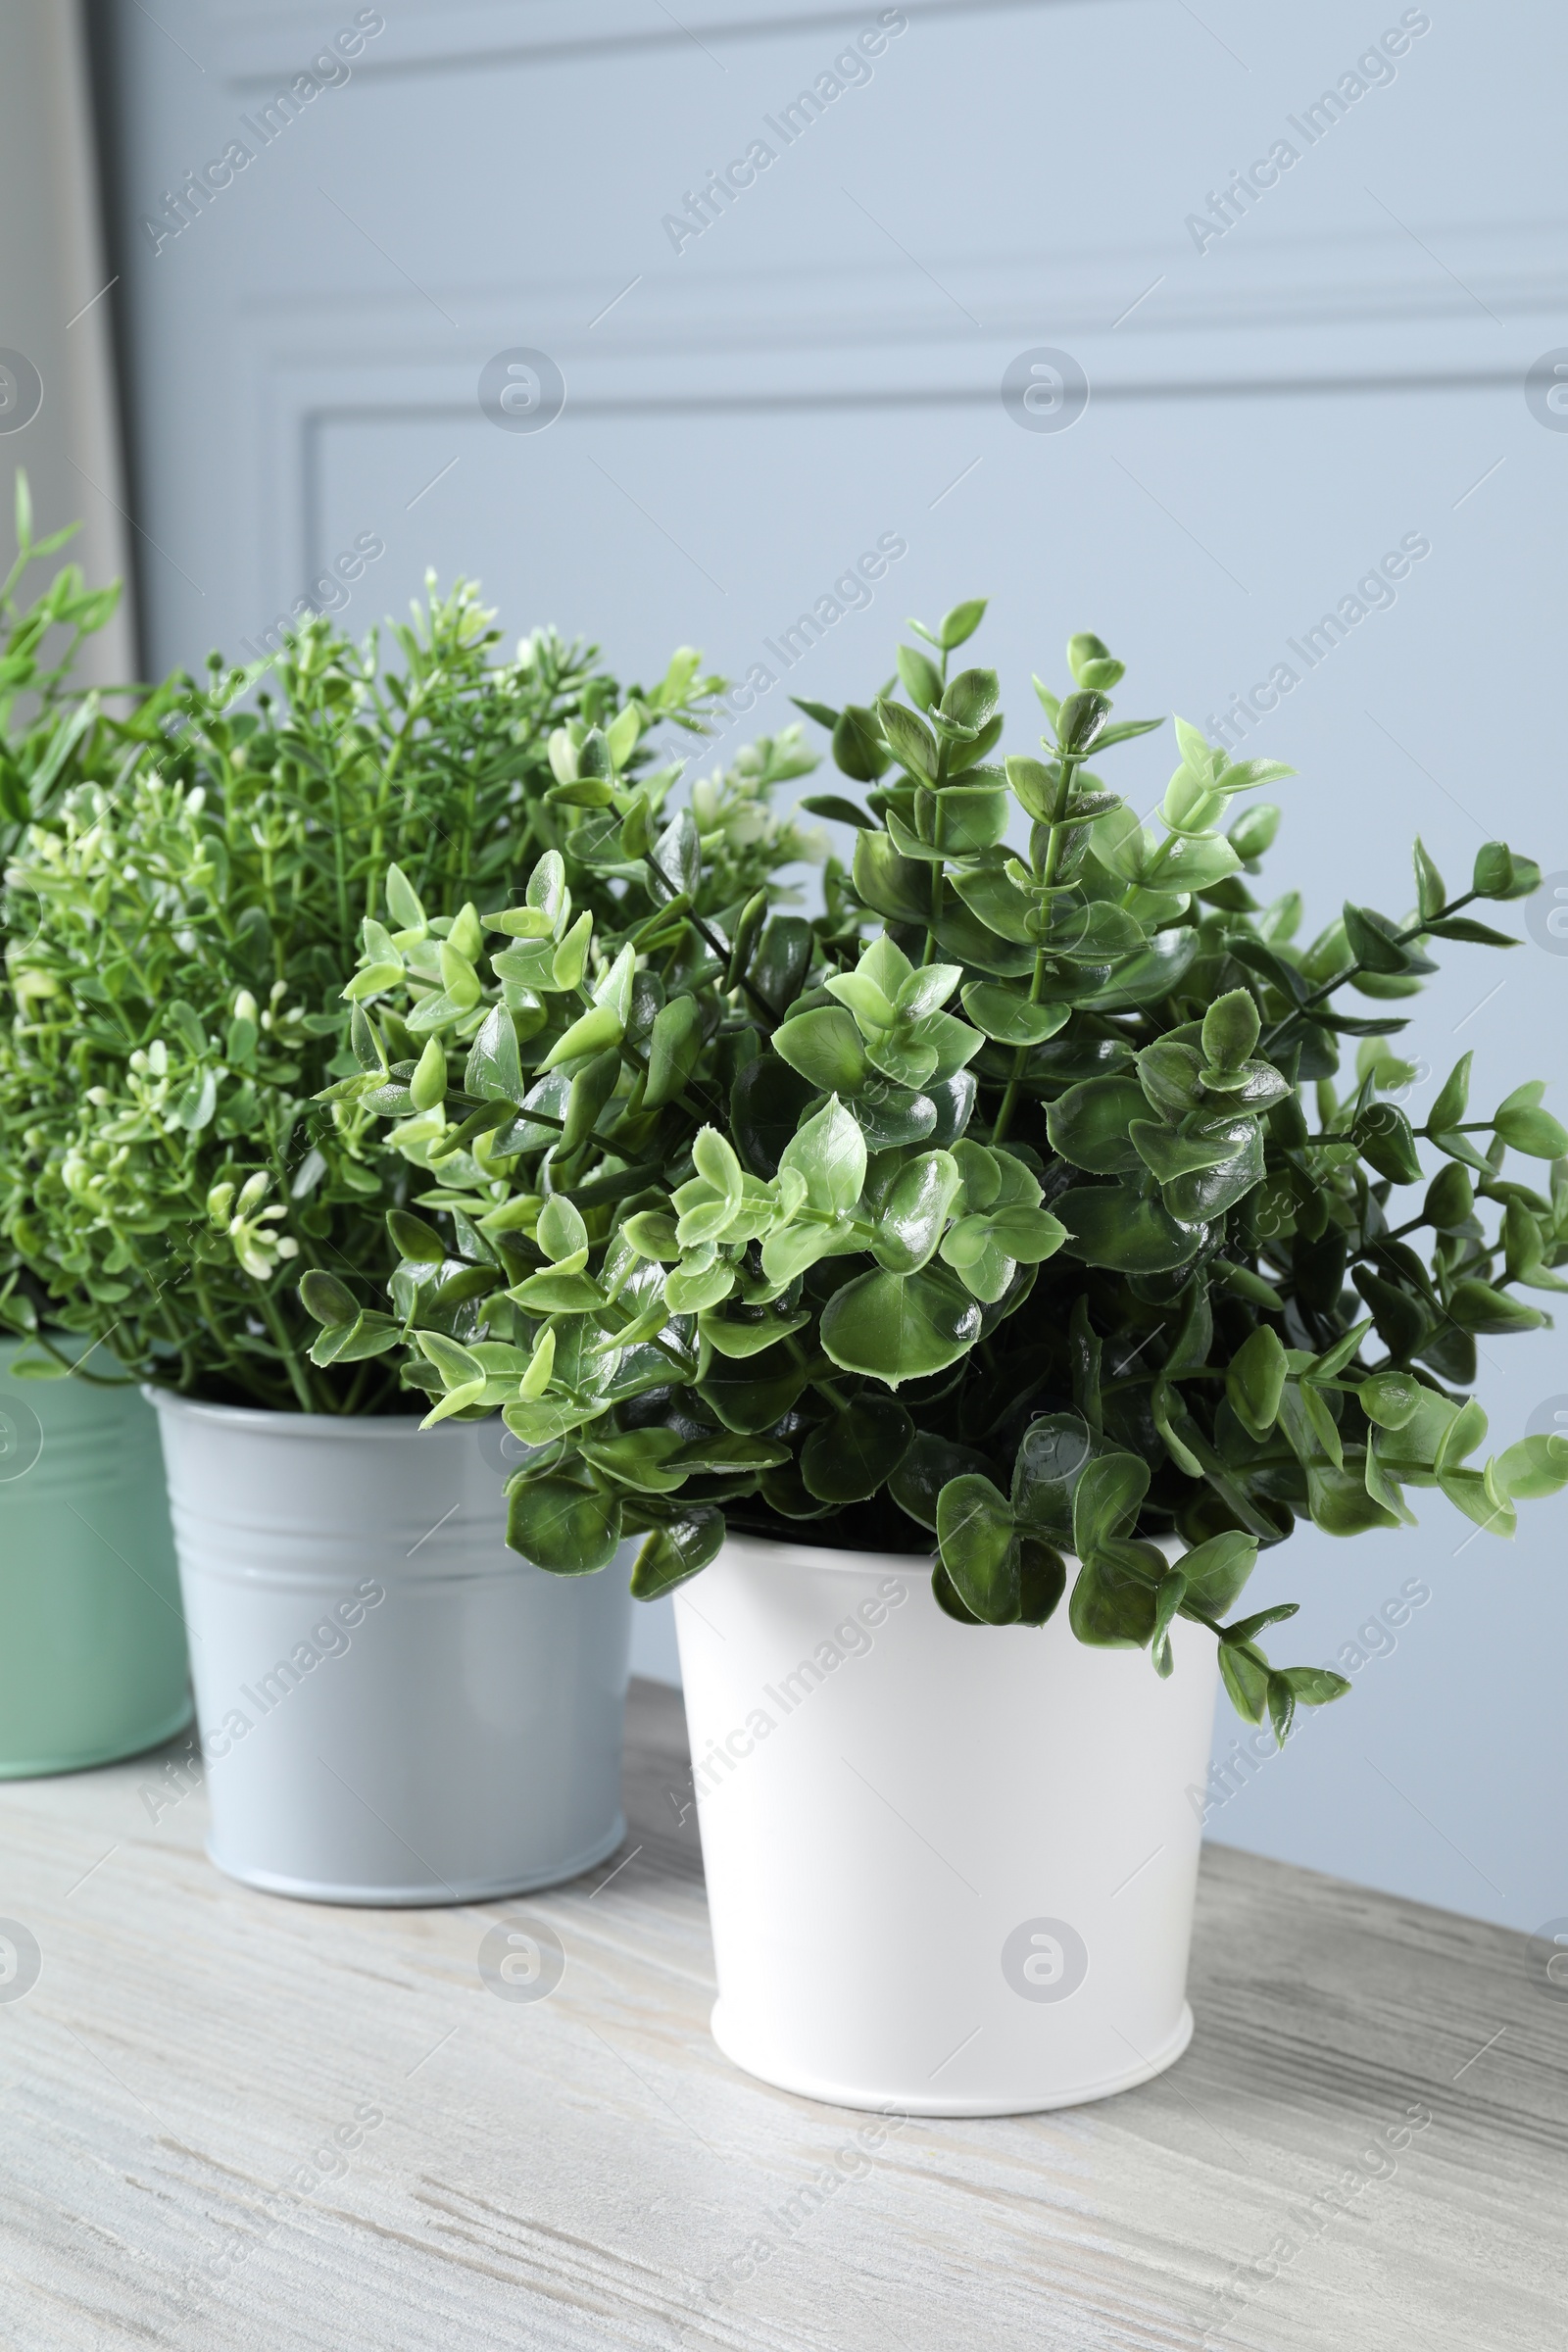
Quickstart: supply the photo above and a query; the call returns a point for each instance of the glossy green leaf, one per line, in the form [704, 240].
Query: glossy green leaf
[1090, 1125]
[914, 1212]
[674, 1045]
[328, 1299]
[854, 1452]
[899, 1327]
[681, 1547]
[1246, 1682]
[1475, 1306]
[826, 1047]
[563, 1528]
[1216, 1571]
[922, 1473]
[1114, 1603]
[1231, 1029]
[1535, 1133]
[1254, 1380]
[975, 1534]
[1007, 1014]
[829, 1156]
[1105, 1499]
[1110, 1226]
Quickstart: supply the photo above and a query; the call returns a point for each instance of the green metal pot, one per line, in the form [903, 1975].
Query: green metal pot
[92, 1638]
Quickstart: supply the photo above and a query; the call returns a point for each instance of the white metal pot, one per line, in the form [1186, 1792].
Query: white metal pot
[394, 1708]
[950, 1869]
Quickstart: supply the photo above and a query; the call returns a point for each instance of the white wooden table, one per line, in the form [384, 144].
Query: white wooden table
[228, 2121]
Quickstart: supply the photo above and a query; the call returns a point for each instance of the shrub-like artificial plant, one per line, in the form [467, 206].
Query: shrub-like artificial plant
[1018, 1208]
[182, 913]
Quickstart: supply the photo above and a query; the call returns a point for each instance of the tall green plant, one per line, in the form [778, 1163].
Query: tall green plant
[1040, 1223]
[180, 933]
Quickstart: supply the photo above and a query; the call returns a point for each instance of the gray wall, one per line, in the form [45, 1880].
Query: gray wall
[1344, 366]
[58, 420]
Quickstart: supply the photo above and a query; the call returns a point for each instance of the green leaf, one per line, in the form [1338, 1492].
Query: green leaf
[899, 1327]
[1313, 1686]
[832, 804]
[1029, 1235]
[673, 1047]
[853, 1453]
[1090, 1125]
[975, 1534]
[1382, 1136]
[1431, 896]
[944, 1594]
[1105, 1499]
[752, 1396]
[1533, 1468]
[1494, 871]
[1340, 1503]
[1473, 934]
[894, 887]
[1475, 1306]
[922, 681]
[1081, 719]
[1231, 1029]
[829, 1156]
[1109, 1226]
[1452, 1098]
[681, 1548]
[1390, 1398]
[1007, 1015]
[1114, 1604]
[1169, 1598]
[971, 698]
[925, 1469]
[1042, 1579]
[1535, 1133]
[594, 1032]
[859, 750]
[1449, 1204]
[1371, 940]
[1216, 1571]
[1246, 1682]
[824, 1046]
[557, 1294]
[494, 1069]
[1321, 1420]
[563, 1528]
[988, 892]
[766, 1102]
[958, 625]
[1144, 978]
[561, 1232]
[637, 1458]
[1255, 1381]
[1247, 1629]
[412, 1238]
[914, 1212]
[734, 1336]
[326, 1299]
[909, 739]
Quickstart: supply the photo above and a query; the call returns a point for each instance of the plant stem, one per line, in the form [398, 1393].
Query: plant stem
[1037, 984]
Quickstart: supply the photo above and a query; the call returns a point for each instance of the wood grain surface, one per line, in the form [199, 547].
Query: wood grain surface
[230, 2121]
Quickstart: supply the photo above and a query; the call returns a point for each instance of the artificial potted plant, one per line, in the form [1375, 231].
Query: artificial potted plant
[1040, 1233]
[92, 1647]
[394, 1707]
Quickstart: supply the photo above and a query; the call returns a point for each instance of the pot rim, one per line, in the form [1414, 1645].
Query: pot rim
[275, 1423]
[868, 1563]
